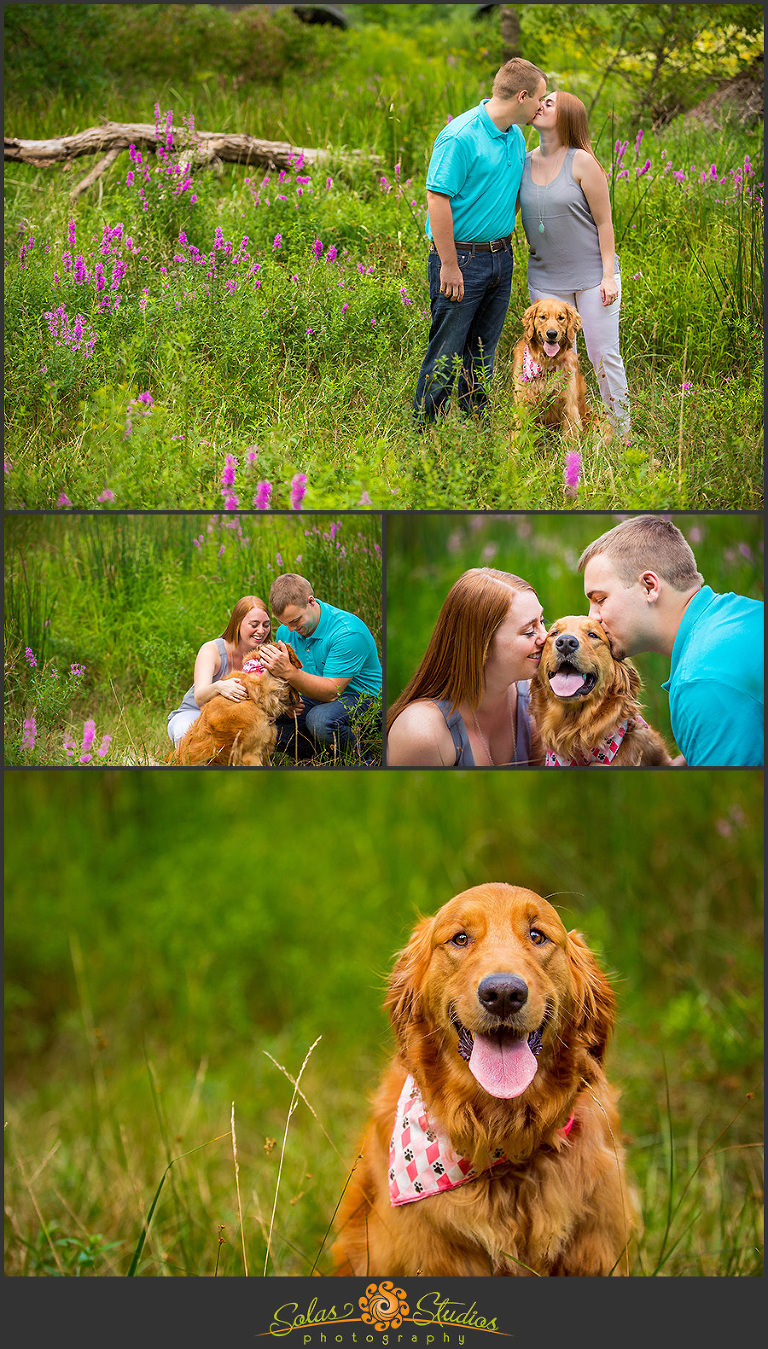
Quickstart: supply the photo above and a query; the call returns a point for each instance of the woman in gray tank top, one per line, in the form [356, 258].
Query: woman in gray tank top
[248, 627]
[566, 213]
[467, 704]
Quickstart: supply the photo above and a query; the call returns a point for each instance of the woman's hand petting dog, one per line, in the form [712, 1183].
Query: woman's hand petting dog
[240, 731]
[494, 1143]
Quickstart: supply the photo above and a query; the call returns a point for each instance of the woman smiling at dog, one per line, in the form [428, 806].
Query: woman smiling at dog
[566, 212]
[249, 626]
[467, 704]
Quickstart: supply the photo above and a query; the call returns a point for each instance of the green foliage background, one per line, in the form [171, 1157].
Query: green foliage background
[164, 933]
[427, 552]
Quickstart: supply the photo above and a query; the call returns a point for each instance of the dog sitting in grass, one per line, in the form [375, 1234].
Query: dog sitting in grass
[547, 375]
[241, 734]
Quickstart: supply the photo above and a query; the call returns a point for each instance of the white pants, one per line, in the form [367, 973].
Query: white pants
[179, 723]
[600, 326]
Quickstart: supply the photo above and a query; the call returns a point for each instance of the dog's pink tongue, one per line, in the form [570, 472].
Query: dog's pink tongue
[504, 1067]
[565, 685]
[551, 348]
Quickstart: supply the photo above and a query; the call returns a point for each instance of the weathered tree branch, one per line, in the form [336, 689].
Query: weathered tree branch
[96, 172]
[201, 148]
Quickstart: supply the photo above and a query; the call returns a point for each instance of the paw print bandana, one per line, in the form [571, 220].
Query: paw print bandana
[421, 1161]
[599, 757]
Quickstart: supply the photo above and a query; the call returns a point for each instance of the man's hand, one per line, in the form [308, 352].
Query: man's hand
[276, 659]
[451, 281]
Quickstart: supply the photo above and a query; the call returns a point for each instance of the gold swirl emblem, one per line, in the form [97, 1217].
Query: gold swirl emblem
[383, 1306]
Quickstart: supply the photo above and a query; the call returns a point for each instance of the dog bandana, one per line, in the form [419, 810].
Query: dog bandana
[252, 667]
[602, 755]
[421, 1161]
[531, 368]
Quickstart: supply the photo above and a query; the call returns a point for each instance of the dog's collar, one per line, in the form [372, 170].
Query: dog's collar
[253, 667]
[423, 1162]
[602, 755]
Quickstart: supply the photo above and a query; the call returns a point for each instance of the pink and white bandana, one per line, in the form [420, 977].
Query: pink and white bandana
[602, 755]
[531, 368]
[421, 1161]
[252, 667]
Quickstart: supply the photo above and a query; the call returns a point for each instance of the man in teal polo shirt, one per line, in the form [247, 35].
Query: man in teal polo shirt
[643, 587]
[341, 671]
[472, 185]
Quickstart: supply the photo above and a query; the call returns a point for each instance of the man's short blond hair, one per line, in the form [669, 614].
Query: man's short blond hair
[517, 75]
[647, 543]
[289, 589]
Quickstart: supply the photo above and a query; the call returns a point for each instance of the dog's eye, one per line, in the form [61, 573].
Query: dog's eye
[537, 936]
[460, 939]
[596, 635]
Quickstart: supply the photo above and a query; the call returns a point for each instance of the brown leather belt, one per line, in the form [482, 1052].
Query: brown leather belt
[493, 246]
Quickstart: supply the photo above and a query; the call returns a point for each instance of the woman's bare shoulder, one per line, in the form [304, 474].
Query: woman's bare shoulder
[419, 735]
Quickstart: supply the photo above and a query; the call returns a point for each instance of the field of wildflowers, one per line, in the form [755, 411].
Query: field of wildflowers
[426, 553]
[181, 337]
[104, 616]
[133, 957]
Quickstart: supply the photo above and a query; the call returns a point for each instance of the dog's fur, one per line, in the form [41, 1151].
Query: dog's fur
[559, 1204]
[572, 727]
[558, 394]
[241, 733]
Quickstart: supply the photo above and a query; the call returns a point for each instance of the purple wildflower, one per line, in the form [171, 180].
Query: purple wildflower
[30, 657]
[63, 500]
[572, 472]
[298, 490]
[30, 733]
[644, 169]
[317, 248]
[106, 495]
[277, 241]
[263, 493]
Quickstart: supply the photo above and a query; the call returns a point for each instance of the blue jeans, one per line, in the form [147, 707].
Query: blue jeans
[464, 331]
[322, 724]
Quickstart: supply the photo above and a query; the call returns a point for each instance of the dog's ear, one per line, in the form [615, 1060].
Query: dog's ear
[294, 658]
[594, 999]
[404, 995]
[528, 317]
[626, 681]
[574, 323]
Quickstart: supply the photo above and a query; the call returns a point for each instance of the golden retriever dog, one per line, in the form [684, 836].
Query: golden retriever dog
[494, 1142]
[546, 367]
[584, 702]
[243, 733]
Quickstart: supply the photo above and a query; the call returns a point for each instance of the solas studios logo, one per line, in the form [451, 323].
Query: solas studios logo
[383, 1315]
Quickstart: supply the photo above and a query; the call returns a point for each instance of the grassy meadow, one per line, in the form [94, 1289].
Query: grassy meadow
[426, 553]
[168, 963]
[104, 616]
[274, 321]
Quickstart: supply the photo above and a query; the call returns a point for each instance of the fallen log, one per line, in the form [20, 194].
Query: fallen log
[202, 147]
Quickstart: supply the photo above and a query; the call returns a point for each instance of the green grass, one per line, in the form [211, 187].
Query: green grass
[167, 955]
[427, 553]
[129, 599]
[282, 368]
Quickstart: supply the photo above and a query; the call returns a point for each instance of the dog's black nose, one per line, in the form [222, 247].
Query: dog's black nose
[551, 334]
[566, 643]
[502, 994]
